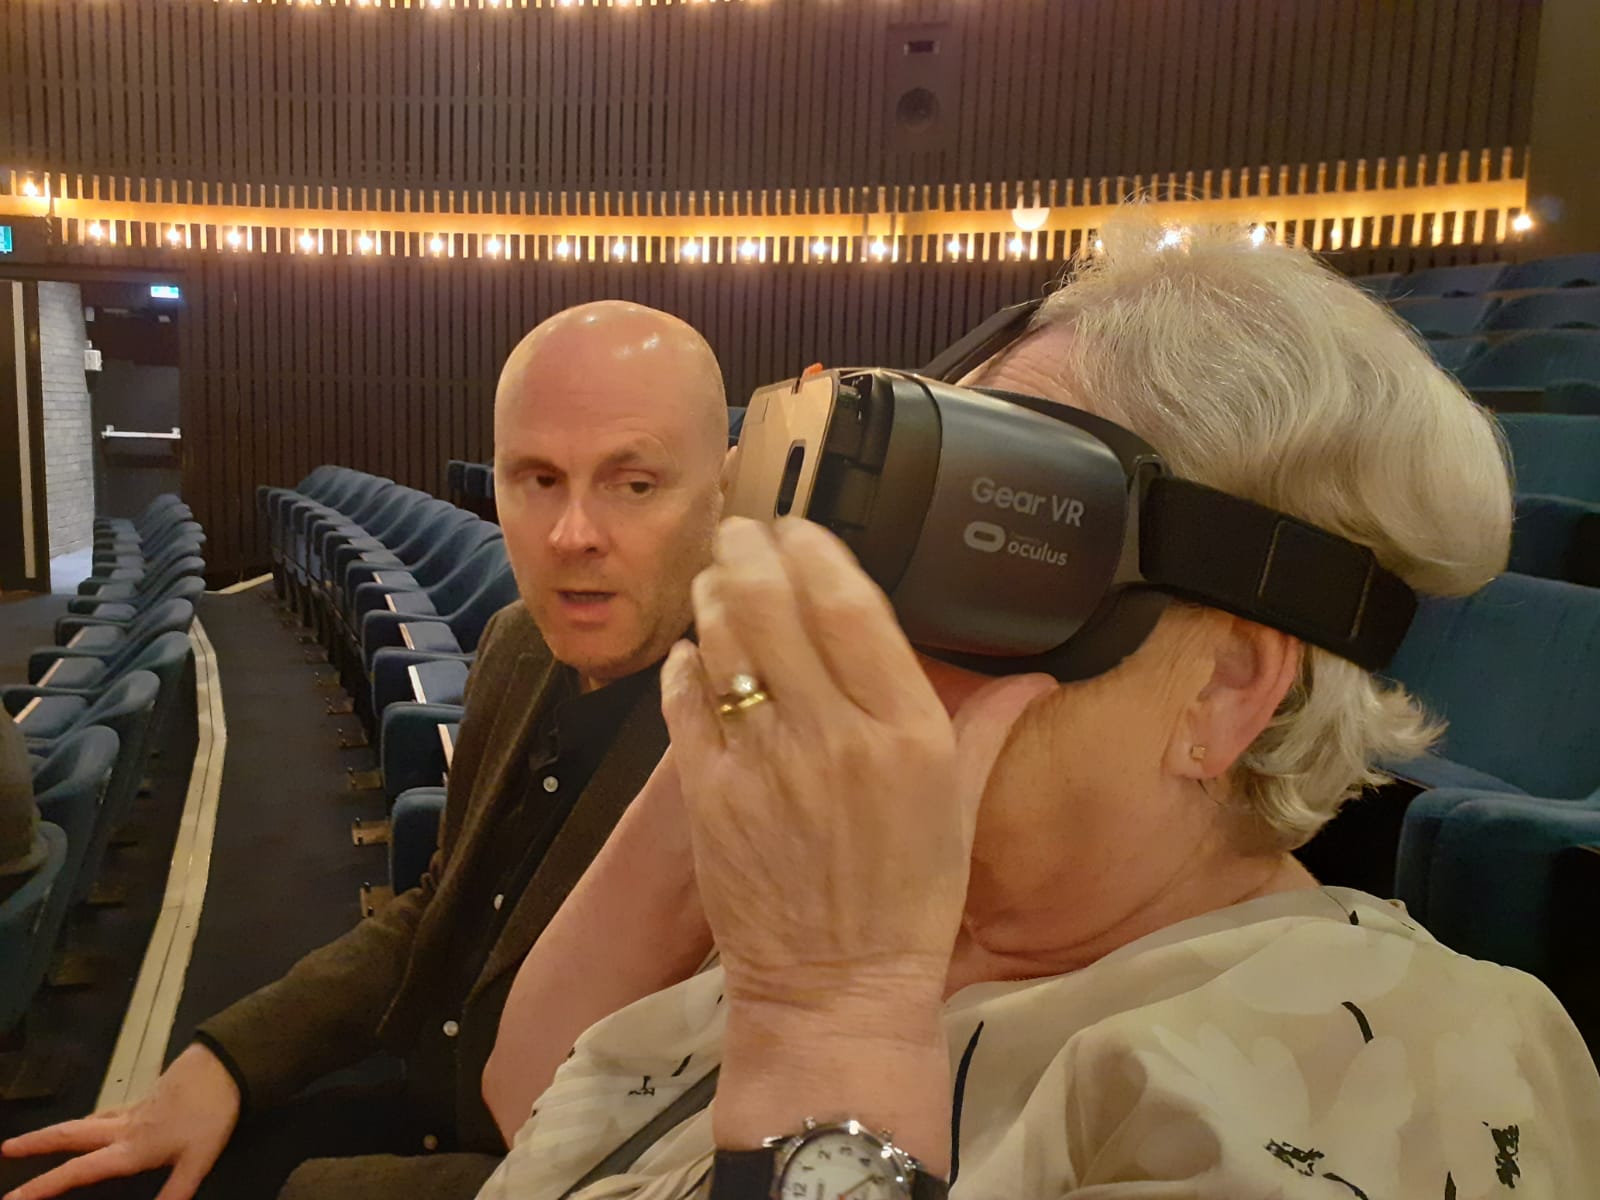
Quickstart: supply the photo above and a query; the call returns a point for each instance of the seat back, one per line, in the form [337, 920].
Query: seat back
[1567, 270]
[1555, 454]
[1568, 308]
[1556, 538]
[1515, 669]
[1453, 354]
[455, 548]
[26, 936]
[497, 591]
[451, 592]
[127, 709]
[1446, 316]
[1469, 280]
[69, 788]
[1380, 286]
[1536, 359]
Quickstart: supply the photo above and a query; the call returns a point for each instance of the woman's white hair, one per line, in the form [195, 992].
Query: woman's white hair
[1258, 371]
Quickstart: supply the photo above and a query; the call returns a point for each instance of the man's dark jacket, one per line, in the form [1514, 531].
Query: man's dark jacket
[370, 990]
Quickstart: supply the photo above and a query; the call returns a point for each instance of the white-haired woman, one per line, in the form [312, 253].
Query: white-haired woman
[1057, 943]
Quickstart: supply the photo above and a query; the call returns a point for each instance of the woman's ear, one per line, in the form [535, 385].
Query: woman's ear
[1253, 667]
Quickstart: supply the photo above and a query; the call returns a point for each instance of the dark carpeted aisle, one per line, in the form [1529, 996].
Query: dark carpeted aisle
[284, 872]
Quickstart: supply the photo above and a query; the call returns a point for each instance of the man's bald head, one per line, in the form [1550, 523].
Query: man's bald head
[610, 430]
[618, 352]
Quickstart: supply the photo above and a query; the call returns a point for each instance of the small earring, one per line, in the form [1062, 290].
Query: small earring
[1198, 753]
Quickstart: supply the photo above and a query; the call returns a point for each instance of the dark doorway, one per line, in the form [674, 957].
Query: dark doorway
[137, 427]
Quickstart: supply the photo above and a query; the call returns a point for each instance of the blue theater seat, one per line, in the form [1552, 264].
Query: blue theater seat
[110, 646]
[151, 518]
[1446, 317]
[413, 835]
[124, 615]
[410, 751]
[1567, 270]
[1555, 454]
[1568, 308]
[1453, 354]
[1515, 669]
[139, 593]
[24, 930]
[70, 786]
[1380, 286]
[1470, 280]
[1556, 538]
[469, 596]
[1536, 359]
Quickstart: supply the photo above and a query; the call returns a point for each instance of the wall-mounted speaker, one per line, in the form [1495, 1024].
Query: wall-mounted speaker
[922, 80]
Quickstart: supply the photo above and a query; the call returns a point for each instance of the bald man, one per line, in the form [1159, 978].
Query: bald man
[610, 435]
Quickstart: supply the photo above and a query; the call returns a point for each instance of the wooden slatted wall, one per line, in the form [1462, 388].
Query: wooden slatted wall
[390, 367]
[679, 98]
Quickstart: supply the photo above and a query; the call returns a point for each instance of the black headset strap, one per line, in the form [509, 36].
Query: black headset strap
[1266, 566]
[994, 335]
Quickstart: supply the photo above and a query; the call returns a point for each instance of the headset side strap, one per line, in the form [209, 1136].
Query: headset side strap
[1266, 566]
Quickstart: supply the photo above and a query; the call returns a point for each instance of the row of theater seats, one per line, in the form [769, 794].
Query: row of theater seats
[1521, 338]
[1499, 854]
[95, 706]
[470, 485]
[399, 587]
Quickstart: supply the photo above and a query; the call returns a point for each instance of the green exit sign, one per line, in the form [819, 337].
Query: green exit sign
[5, 239]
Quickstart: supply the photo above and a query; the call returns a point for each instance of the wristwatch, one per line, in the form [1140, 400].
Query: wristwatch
[841, 1161]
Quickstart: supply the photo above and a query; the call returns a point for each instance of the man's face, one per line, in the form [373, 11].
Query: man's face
[608, 502]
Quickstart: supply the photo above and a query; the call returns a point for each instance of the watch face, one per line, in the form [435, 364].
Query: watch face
[838, 1164]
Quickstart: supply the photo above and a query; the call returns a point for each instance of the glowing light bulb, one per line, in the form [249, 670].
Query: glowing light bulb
[563, 248]
[96, 230]
[1099, 246]
[1171, 238]
[308, 243]
[1258, 234]
[691, 249]
[235, 239]
[1521, 223]
[954, 246]
[819, 247]
[30, 188]
[364, 243]
[879, 249]
[436, 244]
[619, 249]
[175, 236]
[494, 245]
[1016, 245]
[436, 3]
[750, 248]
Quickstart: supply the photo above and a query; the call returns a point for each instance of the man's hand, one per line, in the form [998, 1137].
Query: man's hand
[183, 1123]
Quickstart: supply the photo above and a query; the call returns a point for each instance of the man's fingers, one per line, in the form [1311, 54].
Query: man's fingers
[109, 1162]
[86, 1133]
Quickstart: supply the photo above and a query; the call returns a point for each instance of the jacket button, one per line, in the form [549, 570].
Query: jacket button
[551, 783]
[430, 1143]
[451, 1029]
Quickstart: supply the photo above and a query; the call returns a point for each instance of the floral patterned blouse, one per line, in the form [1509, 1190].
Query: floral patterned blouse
[1313, 1044]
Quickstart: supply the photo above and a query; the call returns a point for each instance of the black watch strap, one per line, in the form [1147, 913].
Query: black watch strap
[747, 1175]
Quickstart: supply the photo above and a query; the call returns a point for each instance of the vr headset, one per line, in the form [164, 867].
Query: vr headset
[1015, 534]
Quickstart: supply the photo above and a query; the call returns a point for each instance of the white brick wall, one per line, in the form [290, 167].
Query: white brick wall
[68, 426]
